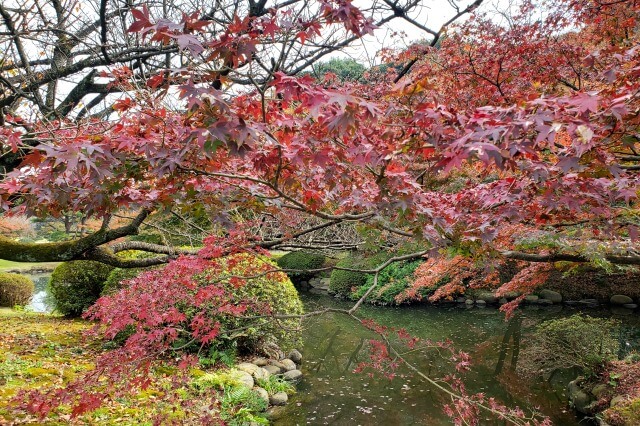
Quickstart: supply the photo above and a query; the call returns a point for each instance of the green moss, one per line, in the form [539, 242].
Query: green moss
[76, 285]
[15, 289]
[344, 283]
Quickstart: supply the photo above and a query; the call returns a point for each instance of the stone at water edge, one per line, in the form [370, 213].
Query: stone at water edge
[469, 302]
[620, 299]
[288, 364]
[293, 375]
[272, 369]
[279, 398]
[262, 393]
[487, 297]
[295, 356]
[630, 305]
[544, 302]
[579, 398]
[278, 364]
[532, 298]
[554, 296]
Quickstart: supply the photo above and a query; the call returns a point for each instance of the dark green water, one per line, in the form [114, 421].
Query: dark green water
[332, 394]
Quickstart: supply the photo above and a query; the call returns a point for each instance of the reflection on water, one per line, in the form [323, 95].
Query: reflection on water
[41, 300]
[333, 345]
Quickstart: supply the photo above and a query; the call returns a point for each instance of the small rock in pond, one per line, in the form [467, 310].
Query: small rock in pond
[554, 296]
[288, 364]
[469, 301]
[620, 299]
[532, 298]
[295, 356]
[630, 305]
[481, 303]
[279, 398]
[293, 375]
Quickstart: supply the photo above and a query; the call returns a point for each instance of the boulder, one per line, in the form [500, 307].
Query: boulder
[481, 303]
[579, 399]
[502, 300]
[244, 378]
[293, 375]
[630, 305]
[460, 300]
[545, 302]
[288, 364]
[278, 364]
[272, 369]
[620, 299]
[616, 400]
[511, 295]
[554, 296]
[295, 356]
[532, 298]
[487, 297]
[279, 398]
[324, 283]
[261, 374]
[469, 302]
[262, 393]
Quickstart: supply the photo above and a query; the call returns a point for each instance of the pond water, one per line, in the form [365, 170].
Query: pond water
[41, 300]
[332, 394]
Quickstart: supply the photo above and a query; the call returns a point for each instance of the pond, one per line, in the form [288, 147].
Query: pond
[41, 300]
[332, 394]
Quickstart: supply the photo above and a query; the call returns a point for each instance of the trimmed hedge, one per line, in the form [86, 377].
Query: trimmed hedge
[343, 283]
[77, 285]
[15, 289]
[303, 261]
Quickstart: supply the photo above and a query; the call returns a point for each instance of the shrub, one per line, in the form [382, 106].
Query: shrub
[343, 283]
[302, 261]
[392, 281]
[77, 285]
[15, 289]
[576, 341]
[195, 304]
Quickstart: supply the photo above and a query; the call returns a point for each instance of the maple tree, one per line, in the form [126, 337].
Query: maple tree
[536, 117]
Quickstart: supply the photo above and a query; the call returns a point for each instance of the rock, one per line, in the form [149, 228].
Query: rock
[545, 302]
[481, 303]
[510, 295]
[502, 300]
[579, 398]
[279, 398]
[324, 283]
[288, 364]
[630, 305]
[272, 369]
[293, 375]
[278, 364]
[244, 378]
[261, 374]
[532, 298]
[616, 400]
[554, 296]
[247, 367]
[589, 303]
[295, 356]
[460, 300]
[598, 390]
[572, 302]
[469, 302]
[260, 362]
[487, 297]
[263, 393]
[620, 299]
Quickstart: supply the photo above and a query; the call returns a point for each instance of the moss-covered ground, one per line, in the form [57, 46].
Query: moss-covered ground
[41, 352]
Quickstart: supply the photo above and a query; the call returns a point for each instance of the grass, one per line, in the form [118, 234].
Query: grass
[6, 264]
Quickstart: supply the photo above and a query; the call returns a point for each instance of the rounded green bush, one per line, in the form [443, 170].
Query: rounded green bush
[77, 285]
[303, 261]
[15, 289]
[117, 277]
